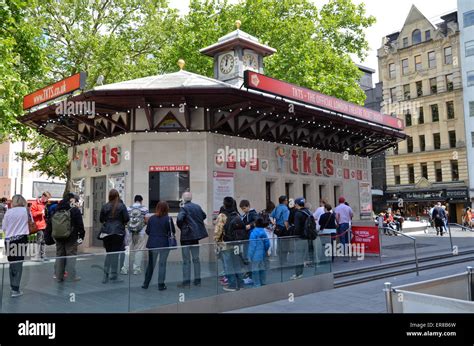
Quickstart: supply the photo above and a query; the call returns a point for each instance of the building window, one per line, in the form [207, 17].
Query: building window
[452, 139]
[469, 48]
[437, 141]
[449, 82]
[434, 113]
[419, 88]
[391, 71]
[421, 116]
[410, 144]
[433, 86]
[418, 64]
[470, 78]
[472, 139]
[405, 42]
[305, 191]
[408, 119]
[427, 35]
[454, 170]
[411, 174]
[471, 108]
[422, 143]
[468, 18]
[288, 189]
[450, 109]
[416, 37]
[448, 55]
[395, 149]
[396, 170]
[406, 91]
[438, 171]
[169, 187]
[405, 67]
[393, 92]
[424, 170]
[268, 191]
[431, 59]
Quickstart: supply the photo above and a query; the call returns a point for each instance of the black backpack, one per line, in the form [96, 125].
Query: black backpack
[309, 230]
[234, 229]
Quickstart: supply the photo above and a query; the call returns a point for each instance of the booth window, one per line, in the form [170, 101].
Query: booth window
[450, 109]
[322, 192]
[167, 186]
[424, 170]
[454, 170]
[422, 143]
[305, 191]
[289, 190]
[438, 171]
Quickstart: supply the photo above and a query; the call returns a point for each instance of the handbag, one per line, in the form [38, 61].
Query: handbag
[31, 224]
[171, 237]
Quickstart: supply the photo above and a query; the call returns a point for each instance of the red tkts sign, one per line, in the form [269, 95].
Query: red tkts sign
[174, 168]
[263, 83]
[66, 86]
[368, 237]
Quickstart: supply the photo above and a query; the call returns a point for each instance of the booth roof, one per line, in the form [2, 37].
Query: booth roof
[176, 80]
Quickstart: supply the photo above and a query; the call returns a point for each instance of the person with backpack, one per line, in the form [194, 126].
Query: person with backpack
[259, 244]
[305, 229]
[190, 221]
[280, 216]
[67, 230]
[38, 210]
[136, 236]
[438, 216]
[114, 217]
[233, 227]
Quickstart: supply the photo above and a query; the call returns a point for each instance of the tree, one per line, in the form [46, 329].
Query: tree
[314, 47]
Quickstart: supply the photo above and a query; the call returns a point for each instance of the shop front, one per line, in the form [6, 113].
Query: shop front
[240, 134]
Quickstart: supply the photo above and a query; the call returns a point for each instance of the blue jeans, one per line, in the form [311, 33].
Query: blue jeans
[233, 268]
[152, 257]
[341, 229]
[259, 273]
[191, 248]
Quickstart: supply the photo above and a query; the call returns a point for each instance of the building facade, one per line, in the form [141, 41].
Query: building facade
[16, 176]
[466, 26]
[422, 85]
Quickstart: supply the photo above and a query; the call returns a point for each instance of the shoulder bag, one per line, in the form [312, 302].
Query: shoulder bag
[171, 237]
[31, 224]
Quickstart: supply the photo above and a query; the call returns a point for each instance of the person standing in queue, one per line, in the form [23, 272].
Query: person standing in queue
[38, 210]
[114, 216]
[344, 215]
[280, 216]
[190, 221]
[159, 229]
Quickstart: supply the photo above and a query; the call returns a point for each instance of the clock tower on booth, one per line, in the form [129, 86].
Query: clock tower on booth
[236, 52]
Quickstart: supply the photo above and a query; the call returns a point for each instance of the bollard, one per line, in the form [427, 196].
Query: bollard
[388, 297]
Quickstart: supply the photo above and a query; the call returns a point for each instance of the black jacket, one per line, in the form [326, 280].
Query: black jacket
[250, 218]
[76, 220]
[190, 221]
[300, 219]
[114, 224]
[327, 221]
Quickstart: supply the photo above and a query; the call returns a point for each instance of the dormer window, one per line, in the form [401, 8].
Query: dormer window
[416, 37]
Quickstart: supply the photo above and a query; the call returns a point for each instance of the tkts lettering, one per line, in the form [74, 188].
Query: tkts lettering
[307, 164]
[97, 157]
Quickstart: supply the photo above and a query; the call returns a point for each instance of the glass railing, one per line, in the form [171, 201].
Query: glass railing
[180, 274]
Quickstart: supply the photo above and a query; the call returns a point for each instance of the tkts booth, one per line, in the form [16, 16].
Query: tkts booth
[241, 134]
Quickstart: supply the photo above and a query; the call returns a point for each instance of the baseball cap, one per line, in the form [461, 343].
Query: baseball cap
[342, 199]
[300, 201]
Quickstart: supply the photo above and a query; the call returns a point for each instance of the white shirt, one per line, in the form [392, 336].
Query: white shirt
[15, 222]
[345, 213]
[317, 214]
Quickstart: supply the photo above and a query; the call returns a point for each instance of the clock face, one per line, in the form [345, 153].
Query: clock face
[250, 62]
[226, 65]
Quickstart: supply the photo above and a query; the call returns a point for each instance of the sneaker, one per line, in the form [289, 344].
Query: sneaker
[16, 294]
[162, 287]
[77, 278]
[124, 271]
[248, 281]
[296, 277]
[197, 282]
[136, 272]
[116, 280]
[229, 289]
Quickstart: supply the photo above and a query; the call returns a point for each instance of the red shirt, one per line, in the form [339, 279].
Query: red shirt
[37, 210]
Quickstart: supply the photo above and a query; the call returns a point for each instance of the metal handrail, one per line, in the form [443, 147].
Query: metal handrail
[461, 226]
[414, 246]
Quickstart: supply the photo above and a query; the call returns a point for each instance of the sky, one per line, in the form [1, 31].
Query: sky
[390, 15]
